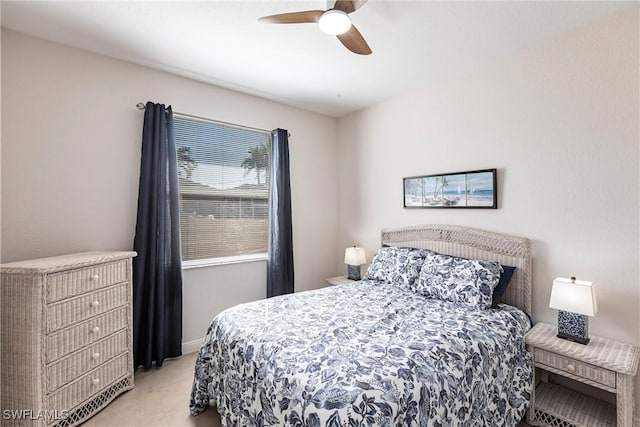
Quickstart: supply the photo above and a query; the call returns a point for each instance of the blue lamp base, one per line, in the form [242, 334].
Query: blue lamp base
[353, 272]
[573, 327]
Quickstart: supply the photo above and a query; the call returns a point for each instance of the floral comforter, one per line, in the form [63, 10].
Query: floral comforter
[364, 354]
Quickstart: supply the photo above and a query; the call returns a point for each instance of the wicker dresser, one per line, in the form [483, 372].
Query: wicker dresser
[66, 337]
[603, 363]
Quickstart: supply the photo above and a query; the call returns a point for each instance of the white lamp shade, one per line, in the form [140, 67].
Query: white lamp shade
[575, 296]
[334, 22]
[354, 256]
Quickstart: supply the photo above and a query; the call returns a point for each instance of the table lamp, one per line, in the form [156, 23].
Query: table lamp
[575, 300]
[354, 257]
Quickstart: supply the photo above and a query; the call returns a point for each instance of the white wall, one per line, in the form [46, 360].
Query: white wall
[71, 156]
[560, 122]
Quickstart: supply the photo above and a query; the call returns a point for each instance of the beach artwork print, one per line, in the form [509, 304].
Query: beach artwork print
[474, 189]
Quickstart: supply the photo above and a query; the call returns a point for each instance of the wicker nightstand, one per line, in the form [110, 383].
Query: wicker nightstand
[603, 363]
[338, 280]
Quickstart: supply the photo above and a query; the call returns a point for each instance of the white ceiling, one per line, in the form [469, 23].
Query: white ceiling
[222, 42]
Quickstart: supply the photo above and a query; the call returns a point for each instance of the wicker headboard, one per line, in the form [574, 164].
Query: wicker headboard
[474, 244]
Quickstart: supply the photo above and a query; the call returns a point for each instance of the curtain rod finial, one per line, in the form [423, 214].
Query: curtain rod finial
[140, 106]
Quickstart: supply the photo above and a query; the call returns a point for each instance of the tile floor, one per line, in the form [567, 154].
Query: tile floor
[160, 399]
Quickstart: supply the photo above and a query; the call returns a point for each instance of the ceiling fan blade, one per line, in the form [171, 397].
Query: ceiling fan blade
[293, 17]
[354, 41]
[349, 6]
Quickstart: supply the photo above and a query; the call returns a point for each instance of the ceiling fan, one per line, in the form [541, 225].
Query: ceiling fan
[334, 21]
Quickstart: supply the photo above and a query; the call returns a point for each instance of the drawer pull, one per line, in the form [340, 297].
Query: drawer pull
[571, 367]
[95, 355]
[96, 381]
[95, 329]
[95, 304]
[95, 277]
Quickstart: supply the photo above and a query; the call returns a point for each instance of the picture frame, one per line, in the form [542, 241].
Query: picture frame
[475, 189]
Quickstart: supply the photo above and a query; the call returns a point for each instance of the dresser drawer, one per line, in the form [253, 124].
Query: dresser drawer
[73, 310]
[574, 367]
[82, 280]
[89, 384]
[71, 367]
[68, 340]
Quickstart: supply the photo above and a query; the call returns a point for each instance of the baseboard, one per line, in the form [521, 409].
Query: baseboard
[191, 346]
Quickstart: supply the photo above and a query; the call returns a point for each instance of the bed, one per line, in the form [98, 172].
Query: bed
[376, 352]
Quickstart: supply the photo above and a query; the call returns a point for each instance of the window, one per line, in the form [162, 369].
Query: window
[223, 174]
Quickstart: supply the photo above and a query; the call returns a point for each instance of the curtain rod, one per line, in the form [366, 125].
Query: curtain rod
[142, 106]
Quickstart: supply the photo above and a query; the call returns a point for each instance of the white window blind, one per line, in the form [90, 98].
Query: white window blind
[223, 174]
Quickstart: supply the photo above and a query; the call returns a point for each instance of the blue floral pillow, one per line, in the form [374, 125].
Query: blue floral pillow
[399, 266]
[459, 280]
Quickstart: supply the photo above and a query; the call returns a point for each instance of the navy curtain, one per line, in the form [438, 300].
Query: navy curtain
[157, 270]
[280, 257]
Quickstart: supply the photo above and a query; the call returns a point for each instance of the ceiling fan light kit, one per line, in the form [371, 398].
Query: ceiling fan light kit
[334, 22]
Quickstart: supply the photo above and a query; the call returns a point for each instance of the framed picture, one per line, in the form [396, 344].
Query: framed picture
[473, 189]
